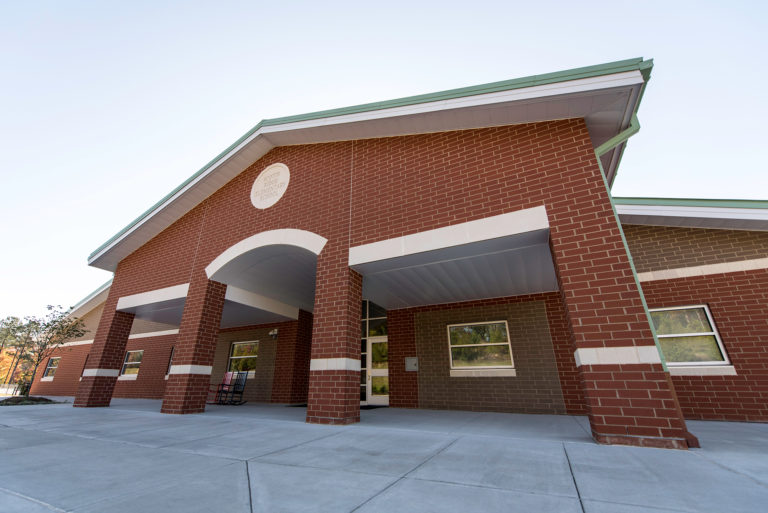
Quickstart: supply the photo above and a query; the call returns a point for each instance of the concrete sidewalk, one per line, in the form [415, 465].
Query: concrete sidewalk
[129, 458]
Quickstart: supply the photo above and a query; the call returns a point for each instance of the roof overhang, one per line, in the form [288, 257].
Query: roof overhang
[90, 301]
[694, 213]
[605, 96]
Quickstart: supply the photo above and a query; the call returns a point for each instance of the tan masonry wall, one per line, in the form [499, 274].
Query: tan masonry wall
[655, 248]
[540, 346]
[259, 387]
[535, 389]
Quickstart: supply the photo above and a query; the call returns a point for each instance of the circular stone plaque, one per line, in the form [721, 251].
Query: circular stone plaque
[270, 186]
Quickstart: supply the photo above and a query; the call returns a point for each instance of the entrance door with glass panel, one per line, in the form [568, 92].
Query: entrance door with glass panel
[374, 356]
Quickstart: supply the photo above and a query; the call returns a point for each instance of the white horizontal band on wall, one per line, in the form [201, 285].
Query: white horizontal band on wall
[323, 364]
[128, 377]
[153, 296]
[616, 355]
[502, 225]
[204, 370]
[153, 334]
[77, 343]
[704, 270]
[702, 370]
[103, 373]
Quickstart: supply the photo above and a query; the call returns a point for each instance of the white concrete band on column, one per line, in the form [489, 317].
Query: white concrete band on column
[245, 297]
[104, 373]
[77, 343]
[287, 236]
[153, 334]
[704, 270]
[503, 225]
[616, 355]
[204, 370]
[153, 296]
[335, 364]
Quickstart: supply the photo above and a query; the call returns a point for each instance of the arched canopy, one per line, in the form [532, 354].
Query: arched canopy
[278, 264]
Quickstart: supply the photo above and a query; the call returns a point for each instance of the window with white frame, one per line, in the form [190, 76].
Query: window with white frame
[688, 336]
[50, 369]
[132, 362]
[243, 356]
[480, 345]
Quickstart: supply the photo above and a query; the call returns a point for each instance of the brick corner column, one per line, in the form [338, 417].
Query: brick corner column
[629, 396]
[334, 375]
[105, 358]
[190, 375]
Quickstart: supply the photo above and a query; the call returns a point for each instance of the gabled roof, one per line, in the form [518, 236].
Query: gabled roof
[606, 96]
[694, 213]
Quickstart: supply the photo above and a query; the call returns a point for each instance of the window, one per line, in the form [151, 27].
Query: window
[688, 336]
[50, 369]
[480, 345]
[84, 364]
[243, 356]
[132, 363]
[170, 361]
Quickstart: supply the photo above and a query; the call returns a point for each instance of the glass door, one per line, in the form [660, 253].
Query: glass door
[374, 356]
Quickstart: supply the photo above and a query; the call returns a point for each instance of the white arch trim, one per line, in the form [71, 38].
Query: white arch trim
[287, 236]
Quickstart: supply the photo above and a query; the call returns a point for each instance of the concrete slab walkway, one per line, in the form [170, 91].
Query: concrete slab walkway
[256, 458]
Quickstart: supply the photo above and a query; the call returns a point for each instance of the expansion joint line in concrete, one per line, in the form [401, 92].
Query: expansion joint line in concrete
[573, 476]
[414, 469]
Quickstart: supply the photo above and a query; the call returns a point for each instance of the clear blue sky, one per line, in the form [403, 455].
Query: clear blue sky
[107, 106]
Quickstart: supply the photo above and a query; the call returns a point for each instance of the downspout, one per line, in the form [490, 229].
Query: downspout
[620, 138]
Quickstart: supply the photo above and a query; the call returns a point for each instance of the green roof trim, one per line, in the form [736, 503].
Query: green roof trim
[90, 296]
[693, 202]
[636, 64]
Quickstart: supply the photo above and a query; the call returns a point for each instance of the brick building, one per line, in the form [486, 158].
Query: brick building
[457, 250]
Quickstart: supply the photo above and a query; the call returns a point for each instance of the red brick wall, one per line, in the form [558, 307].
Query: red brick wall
[150, 382]
[362, 191]
[655, 248]
[403, 386]
[67, 377]
[739, 305]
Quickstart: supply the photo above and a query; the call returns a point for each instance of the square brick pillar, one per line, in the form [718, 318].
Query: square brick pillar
[334, 376]
[105, 358]
[294, 344]
[190, 376]
[628, 394]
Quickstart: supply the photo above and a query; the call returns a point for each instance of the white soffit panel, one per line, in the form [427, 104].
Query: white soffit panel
[694, 217]
[127, 303]
[257, 301]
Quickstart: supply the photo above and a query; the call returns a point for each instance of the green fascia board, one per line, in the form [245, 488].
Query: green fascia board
[98, 289]
[693, 202]
[636, 64]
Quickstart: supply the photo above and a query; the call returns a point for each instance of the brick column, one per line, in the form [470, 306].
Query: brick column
[334, 377]
[627, 391]
[403, 385]
[294, 343]
[190, 377]
[105, 358]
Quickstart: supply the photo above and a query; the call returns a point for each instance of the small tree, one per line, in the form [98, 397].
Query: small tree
[16, 335]
[45, 334]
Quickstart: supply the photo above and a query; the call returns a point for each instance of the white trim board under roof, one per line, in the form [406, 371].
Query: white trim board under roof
[606, 96]
[694, 213]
